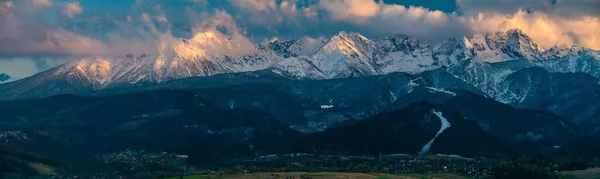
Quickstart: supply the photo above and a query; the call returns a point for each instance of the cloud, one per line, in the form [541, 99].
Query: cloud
[271, 15]
[40, 3]
[218, 33]
[7, 4]
[503, 6]
[24, 32]
[162, 18]
[546, 22]
[311, 45]
[18, 67]
[71, 9]
[150, 26]
[350, 10]
[256, 5]
[416, 21]
[564, 8]
[544, 28]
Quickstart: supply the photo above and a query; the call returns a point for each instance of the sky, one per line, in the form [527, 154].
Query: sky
[36, 35]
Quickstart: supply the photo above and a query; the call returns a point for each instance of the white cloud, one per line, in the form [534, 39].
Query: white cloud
[162, 18]
[18, 67]
[545, 29]
[350, 10]
[256, 5]
[24, 32]
[566, 21]
[71, 9]
[7, 4]
[219, 33]
[311, 45]
[543, 21]
[40, 3]
[272, 14]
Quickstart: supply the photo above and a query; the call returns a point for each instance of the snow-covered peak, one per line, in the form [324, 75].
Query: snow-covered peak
[467, 42]
[521, 42]
[562, 50]
[504, 46]
[578, 49]
[102, 71]
[557, 51]
[346, 55]
[209, 44]
[208, 38]
[352, 35]
[190, 49]
[286, 48]
[451, 51]
[401, 43]
[351, 44]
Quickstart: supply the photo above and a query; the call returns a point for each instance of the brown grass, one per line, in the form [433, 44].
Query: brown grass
[326, 175]
[593, 173]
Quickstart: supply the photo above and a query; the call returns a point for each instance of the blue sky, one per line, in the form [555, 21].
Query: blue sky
[43, 33]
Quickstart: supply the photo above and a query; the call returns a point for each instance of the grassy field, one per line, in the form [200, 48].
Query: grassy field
[326, 175]
[43, 169]
[593, 173]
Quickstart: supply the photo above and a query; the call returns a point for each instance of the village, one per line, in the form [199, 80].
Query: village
[6, 136]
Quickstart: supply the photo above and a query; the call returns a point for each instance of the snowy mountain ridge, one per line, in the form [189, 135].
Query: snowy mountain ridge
[344, 55]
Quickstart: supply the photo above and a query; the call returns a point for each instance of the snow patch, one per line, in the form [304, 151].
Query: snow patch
[394, 98]
[454, 156]
[231, 104]
[326, 106]
[563, 124]
[441, 91]
[445, 125]
[411, 85]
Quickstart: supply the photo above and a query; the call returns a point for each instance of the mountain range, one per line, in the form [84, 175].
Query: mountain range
[482, 95]
[497, 65]
[342, 56]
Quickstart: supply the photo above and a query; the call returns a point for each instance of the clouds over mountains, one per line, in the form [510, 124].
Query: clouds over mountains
[33, 28]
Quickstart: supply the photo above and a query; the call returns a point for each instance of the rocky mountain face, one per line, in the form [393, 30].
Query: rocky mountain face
[567, 86]
[502, 46]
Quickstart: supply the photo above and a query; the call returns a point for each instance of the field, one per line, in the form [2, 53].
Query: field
[326, 175]
[43, 169]
[593, 173]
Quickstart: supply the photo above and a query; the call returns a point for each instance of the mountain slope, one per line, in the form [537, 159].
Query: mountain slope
[314, 105]
[69, 128]
[477, 127]
[564, 86]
